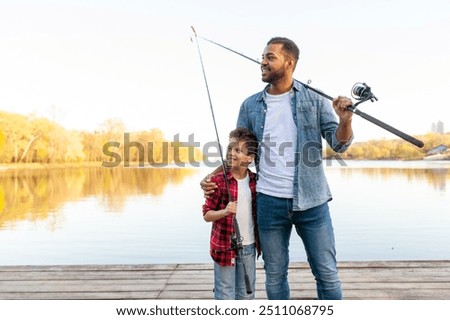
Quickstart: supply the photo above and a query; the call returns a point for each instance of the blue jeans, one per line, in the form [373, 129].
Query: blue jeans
[275, 221]
[229, 282]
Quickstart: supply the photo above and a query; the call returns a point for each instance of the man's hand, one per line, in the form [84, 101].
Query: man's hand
[207, 186]
[344, 131]
[340, 105]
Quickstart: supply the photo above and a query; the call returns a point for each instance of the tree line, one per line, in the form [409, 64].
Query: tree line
[38, 140]
[395, 149]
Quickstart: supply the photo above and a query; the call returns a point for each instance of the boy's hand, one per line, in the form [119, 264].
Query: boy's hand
[231, 208]
[207, 186]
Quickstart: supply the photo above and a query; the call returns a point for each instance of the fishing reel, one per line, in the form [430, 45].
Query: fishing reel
[236, 242]
[362, 92]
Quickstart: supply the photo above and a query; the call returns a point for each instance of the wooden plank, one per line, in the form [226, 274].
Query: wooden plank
[85, 275]
[76, 286]
[80, 296]
[94, 267]
[208, 266]
[395, 264]
[35, 287]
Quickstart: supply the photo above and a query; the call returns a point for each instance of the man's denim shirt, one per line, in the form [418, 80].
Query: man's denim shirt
[315, 118]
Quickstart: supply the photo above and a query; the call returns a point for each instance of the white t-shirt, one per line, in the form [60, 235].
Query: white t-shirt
[244, 211]
[277, 162]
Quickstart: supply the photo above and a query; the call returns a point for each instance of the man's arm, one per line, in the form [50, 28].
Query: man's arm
[344, 132]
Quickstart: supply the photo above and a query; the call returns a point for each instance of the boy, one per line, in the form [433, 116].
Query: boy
[228, 273]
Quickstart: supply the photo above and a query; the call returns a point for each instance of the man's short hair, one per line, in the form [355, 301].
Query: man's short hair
[288, 46]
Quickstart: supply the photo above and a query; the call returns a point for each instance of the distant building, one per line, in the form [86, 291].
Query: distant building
[437, 127]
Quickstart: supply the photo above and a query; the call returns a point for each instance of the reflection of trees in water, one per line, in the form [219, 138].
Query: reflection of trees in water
[436, 177]
[38, 194]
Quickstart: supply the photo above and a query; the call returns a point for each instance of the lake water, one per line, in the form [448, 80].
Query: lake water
[382, 210]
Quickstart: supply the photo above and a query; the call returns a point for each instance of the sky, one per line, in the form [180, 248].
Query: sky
[85, 61]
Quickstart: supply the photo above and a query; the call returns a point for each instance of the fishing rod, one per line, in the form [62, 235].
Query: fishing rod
[236, 238]
[360, 91]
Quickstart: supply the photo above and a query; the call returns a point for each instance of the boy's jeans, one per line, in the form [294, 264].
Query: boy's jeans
[275, 220]
[229, 282]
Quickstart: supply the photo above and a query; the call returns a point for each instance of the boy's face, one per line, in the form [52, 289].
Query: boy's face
[237, 154]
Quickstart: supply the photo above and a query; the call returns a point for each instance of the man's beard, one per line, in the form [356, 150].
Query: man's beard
[273, 76]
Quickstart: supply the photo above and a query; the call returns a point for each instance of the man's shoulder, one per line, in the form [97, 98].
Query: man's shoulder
[306, 94]
[254, 98]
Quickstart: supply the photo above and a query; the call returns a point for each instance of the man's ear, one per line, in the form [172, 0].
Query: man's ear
[291, 64]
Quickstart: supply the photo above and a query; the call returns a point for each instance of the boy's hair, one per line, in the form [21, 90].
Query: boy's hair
[288, 46]
[243, 134]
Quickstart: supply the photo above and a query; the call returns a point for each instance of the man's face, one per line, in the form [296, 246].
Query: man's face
[273, 64]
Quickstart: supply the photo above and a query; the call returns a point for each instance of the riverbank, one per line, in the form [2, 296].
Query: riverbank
[395, 149]
[37, 166]
[98, 164]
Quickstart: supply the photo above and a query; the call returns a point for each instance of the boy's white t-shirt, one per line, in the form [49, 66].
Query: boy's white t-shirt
[244, 211]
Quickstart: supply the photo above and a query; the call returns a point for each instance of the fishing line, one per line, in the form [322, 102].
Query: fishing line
[213, 116]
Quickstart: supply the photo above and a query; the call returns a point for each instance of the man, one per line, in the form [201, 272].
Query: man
[289, 122]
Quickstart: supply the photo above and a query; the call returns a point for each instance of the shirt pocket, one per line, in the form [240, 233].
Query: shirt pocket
[307, 115]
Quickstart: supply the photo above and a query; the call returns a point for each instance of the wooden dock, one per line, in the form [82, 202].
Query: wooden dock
[387, 280]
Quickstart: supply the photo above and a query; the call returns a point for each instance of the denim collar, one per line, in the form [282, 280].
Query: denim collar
[295, 87]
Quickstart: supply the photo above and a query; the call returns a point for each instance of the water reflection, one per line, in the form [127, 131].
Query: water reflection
[381, 211]
[39, 194]
[436, 177]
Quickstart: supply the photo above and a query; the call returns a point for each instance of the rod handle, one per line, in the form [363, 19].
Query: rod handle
[248, 287]
[387, 127]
